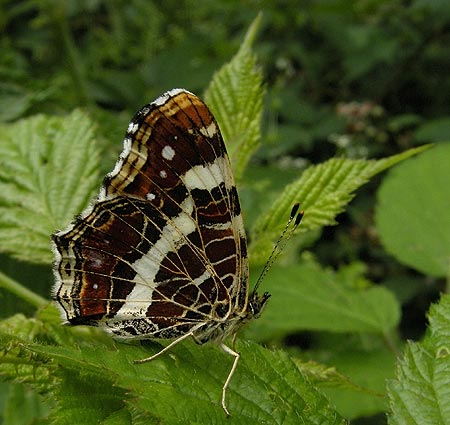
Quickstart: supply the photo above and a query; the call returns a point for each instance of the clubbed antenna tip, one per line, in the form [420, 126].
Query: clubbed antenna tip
[298, 219]
[294, 210]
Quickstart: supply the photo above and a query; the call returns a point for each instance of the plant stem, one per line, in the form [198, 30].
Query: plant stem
[74, 60]
[21, 291]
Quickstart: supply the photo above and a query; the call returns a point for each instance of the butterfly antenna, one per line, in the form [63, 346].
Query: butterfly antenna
[280, 244]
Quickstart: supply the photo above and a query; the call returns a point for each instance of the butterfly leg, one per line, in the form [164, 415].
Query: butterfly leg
[236, 355]
[175, 342]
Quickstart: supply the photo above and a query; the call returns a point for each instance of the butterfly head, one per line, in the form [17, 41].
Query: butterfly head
[256, 305]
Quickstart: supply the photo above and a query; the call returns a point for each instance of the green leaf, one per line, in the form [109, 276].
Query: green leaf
[368, 370]
[307, 297]
[323, 192]
[420, 394]
[183, 386]
[76, 403]
[24, 406]
[235, 96]
[48, 172]
[354, 377]
[413, 212]
[93, 379]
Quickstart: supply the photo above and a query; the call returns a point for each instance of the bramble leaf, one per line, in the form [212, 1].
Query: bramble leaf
[308, 297]
[323, 192]
[235, 96]
[412, 212]
[48, 172]
[420, 394]
[94, 380]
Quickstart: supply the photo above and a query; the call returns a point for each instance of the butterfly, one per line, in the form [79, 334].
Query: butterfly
[162, 251]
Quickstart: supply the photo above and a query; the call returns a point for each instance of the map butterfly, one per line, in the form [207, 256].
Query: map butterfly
[162, 251]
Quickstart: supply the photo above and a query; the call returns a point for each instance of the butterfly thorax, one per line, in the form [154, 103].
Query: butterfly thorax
[228, 327]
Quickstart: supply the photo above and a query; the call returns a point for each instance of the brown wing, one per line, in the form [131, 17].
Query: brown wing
[163, 247]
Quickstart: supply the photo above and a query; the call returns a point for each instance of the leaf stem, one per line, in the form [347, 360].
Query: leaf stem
[390, 343]
[21, 291]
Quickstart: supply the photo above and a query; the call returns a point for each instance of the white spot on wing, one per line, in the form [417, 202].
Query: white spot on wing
[102, 194]
[209, 176]
[168, 152]
[151, 196]
[132, 128]
[126, 146]
[163, 174]
[161, 100]
[127, 143]
[209, 131]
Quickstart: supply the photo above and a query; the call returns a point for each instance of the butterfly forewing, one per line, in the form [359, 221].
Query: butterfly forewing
[162, 250]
